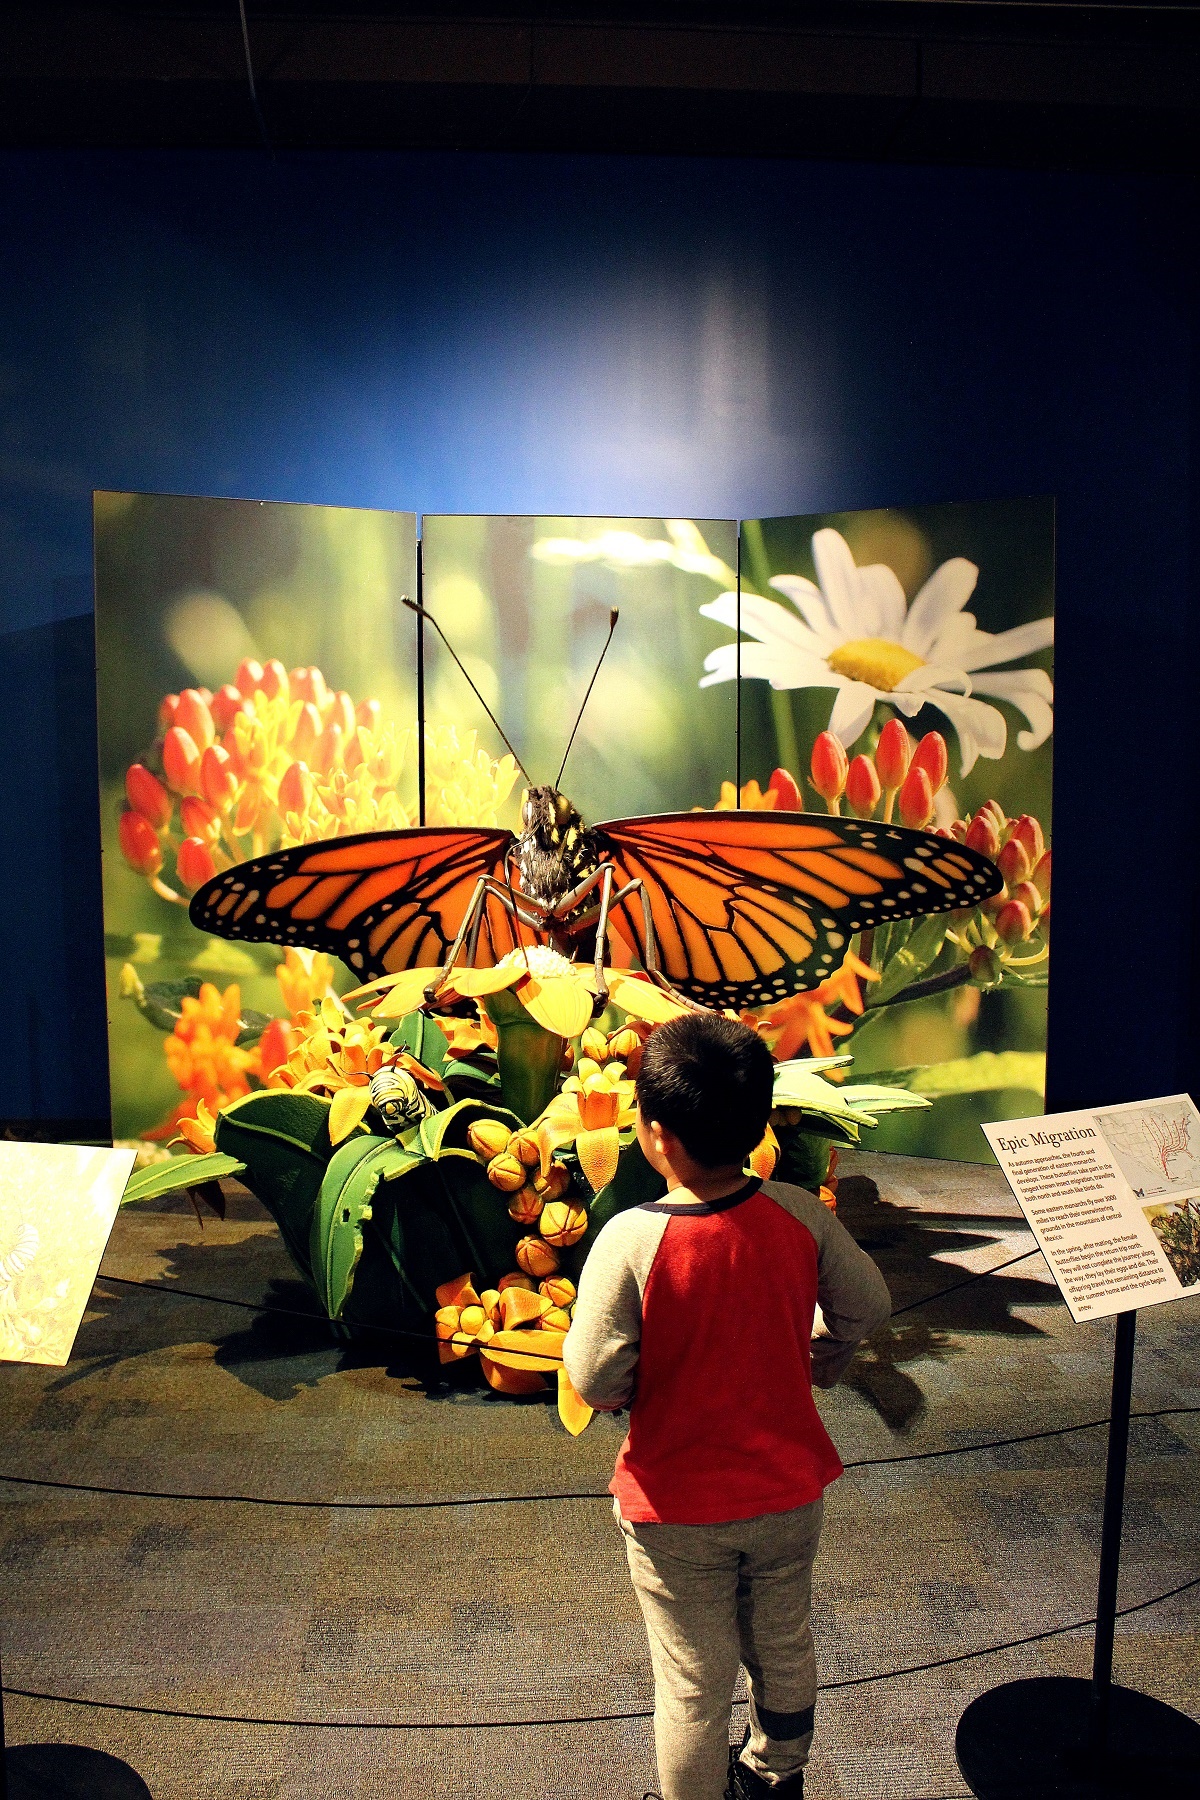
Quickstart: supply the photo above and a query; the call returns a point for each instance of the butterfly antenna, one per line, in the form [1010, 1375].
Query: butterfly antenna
[613, 616]
[429, 618]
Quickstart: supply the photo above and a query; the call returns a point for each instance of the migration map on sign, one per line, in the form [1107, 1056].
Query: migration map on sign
[1113, 1198]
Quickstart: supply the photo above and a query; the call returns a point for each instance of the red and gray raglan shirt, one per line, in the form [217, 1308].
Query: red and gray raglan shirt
[700, 1319]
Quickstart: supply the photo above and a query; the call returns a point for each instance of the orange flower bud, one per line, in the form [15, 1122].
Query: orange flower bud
[166, 711]
[218, 780]
[1041, 876]
[275, 1045]
[536, 1257]
[275, 683]
[788, 797]
[181, 761]
[514, 1279]
[307, 731]
[932, 755]
[1013, 923]
[893, 753]
[558, 1290]
[1027, 831]
[139, 843]
[194, 863]
[624, 1043]
[915, 799]
[1013, 861]
[194, 716]
[199, 820]
[984, 965]
[958, 830]
[249, 677]
[296, 789]
[553, 1183]
[356, 750]
[327, 749]
[563, 1223]
[368, 713]
[147, 795]
[226, 704]
[506, 1173]
[829, 767]
[1028, 896]
[525, 1206]
[863, 791]
[982, 833]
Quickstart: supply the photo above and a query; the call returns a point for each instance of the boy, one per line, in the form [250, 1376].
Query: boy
[696, 1311]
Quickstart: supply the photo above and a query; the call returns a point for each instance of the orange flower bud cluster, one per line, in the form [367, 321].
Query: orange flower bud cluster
[517, 1333]
[514, 1164]
[274, 757]
[782, 794]
[1019, 849]
[903, 776]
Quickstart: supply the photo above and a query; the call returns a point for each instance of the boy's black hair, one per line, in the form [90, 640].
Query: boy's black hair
[709, 1080]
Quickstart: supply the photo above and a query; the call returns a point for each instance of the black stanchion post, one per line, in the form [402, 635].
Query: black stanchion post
[1110, 1533]
[1061, 1737]
[420, 685]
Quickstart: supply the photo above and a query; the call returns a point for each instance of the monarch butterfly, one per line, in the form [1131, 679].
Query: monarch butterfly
[732, 909]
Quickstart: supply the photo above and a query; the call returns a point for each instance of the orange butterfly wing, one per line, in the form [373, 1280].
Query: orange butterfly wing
[749, 907]
[382, 901]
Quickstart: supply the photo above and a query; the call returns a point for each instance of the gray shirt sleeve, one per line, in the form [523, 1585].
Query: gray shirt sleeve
[851, 1292]
[601, 1349]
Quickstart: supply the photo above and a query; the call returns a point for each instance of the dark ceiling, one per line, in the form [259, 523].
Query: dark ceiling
[1043, 83]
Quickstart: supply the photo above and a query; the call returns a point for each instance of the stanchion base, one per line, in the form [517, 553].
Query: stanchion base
[70, 1772]
[1032, 1740]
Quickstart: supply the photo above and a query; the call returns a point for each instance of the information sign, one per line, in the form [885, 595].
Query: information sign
[1113, 1198]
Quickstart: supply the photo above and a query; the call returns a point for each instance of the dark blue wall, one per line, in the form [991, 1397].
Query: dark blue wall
[600, 335]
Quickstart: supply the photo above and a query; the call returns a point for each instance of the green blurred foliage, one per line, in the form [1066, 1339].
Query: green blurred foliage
[184, 589]
[530, 630]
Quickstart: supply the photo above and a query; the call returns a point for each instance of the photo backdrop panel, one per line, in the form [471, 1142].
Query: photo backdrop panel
[942, 617]
[236, 640]
[526, 601]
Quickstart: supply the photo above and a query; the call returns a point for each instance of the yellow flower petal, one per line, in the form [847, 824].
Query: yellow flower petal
[406, 993]
[598, 1152]
[575, 1413]
[347, 1112]
[388, 981]
[560, 1004]
[471, 983]
[643, 1000]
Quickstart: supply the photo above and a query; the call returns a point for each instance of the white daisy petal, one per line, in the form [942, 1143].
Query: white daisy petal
[944, 594]
[838, 577]
[721, 665]
[930, 676]
[763, 619]
[980, 729]
[987, 649]
[881, 593]
[1032, 693]
[852, 710]
[809, 602]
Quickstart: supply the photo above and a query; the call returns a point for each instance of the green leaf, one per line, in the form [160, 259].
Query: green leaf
[837, 1111]
[804, 1157]
[180, 1172]
[424, 1039]
[343, 1203]
[220, 957]
[445, 1133]
[983, 1073]
[910, 963]
[283, 1140]
[253, 1025]
[1012, 976]
[137, 947]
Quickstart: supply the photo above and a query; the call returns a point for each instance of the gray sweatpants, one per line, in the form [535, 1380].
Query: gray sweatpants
[713, 1596]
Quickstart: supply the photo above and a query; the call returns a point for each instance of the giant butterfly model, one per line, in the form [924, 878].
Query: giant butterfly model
[728, 909]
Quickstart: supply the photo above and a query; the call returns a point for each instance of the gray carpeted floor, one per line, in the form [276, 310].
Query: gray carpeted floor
[451, 1620]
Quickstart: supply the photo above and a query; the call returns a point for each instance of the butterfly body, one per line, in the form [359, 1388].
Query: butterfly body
[730, 909]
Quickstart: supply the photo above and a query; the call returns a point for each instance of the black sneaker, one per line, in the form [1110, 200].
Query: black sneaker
[746, 1785]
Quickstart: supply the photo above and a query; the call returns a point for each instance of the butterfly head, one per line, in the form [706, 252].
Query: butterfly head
[553, 850]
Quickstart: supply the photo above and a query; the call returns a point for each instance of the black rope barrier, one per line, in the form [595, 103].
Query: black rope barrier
[428, 1342]
[869, 1462]
[825, 1687]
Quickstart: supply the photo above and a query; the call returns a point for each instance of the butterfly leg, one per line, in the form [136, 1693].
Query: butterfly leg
[470, 924]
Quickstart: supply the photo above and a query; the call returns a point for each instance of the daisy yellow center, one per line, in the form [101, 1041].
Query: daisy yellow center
[876, 661]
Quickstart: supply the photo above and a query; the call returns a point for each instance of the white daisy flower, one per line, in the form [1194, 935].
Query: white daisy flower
[856, 633]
